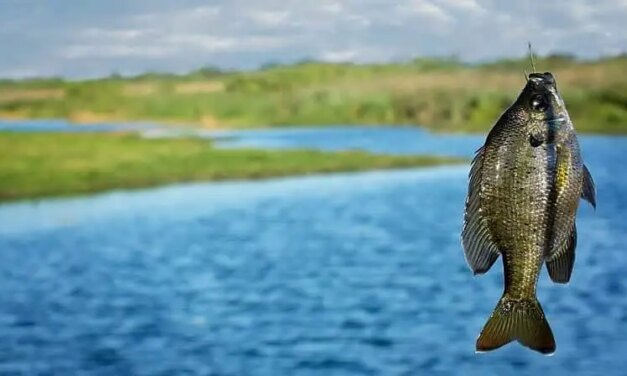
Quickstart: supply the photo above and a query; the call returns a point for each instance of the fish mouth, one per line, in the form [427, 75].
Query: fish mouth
[541, 79]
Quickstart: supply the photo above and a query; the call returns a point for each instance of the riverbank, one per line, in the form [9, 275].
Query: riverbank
[441, 95]
[40, 165]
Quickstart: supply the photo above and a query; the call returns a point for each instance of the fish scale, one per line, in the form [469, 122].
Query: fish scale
[524, 188]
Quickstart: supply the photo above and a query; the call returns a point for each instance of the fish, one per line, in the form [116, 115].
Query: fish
[524, 188]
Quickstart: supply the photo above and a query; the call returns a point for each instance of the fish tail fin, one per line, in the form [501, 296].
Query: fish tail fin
[517, 319]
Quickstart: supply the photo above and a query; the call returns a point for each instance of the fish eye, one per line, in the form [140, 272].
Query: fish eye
[538, 102]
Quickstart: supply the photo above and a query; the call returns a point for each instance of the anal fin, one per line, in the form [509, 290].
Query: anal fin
[561, 260]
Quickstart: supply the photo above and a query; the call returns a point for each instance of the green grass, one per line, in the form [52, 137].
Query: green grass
[440, 94]
[37, 165]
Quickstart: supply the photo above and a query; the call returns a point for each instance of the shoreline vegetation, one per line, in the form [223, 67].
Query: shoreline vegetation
[442, 95]
[35, 165]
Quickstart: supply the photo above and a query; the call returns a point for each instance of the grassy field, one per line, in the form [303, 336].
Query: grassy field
[443, 95]
[36, 165]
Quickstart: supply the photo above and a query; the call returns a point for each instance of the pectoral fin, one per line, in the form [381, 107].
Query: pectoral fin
[561, 260]
[588, 192]
[479, 248]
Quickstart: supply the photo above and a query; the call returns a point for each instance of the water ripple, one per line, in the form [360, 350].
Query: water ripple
[346, 274]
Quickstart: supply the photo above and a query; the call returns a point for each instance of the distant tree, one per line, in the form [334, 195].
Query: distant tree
[208, 71]
[269, 65]
[115, 75]
[435, 63]
[306, 61]
[563, 56]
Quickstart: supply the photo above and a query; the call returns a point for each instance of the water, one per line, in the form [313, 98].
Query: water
[62, 126]
[346, 274]
[397, 140]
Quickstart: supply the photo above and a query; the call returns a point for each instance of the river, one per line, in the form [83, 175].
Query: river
[343, 274]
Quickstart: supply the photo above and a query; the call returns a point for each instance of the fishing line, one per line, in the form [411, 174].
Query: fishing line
[529, 33]
[533, 64]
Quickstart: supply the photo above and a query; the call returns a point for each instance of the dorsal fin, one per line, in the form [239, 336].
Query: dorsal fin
[588, 192]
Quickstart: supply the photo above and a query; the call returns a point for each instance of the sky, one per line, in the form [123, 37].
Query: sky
[89, 38]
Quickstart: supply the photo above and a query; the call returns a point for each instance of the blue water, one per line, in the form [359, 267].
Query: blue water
[345, 274]
[397, 140]
[58, 126]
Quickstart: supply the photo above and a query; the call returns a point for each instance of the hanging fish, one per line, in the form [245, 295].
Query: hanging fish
[524, 190]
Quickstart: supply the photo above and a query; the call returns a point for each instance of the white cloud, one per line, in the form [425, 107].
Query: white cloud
[108, 43]
[200, 13]
[269, 18]
[334, 7]
[26, 72]
[180, 18]
[355, 55]
[113, 34]
[117, 43]
[580, 10]
[247, 33]
[339, 56]
[359, 20]
[428, 10]
[184, 32]
[200, 41]
[213, 43]
[463, 5]
[80, 51]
